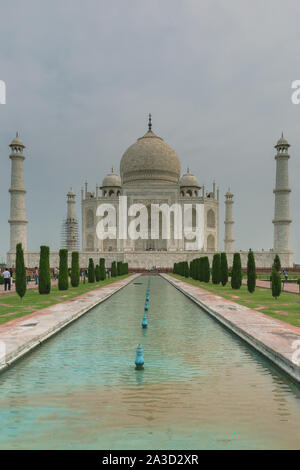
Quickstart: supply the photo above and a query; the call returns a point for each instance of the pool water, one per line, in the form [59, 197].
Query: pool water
[202, 387]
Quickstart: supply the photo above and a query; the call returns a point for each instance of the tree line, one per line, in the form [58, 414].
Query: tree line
[199, 269]
[94, 273]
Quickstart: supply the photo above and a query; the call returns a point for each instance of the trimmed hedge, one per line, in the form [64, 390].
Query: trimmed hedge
[97, 273]
[102, 269]
[91, 271]
[113, 269]
[44, 271]
[276, 283]
[251, 272]
[277, 263]
[236, 277]
[75, 271]
[63, 276]
[20, 271]
[224, 269]
[216, 269]
[206, 267]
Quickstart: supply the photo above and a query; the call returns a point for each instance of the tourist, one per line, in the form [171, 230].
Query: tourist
[36, 276]
[27, 276]
[7, 277]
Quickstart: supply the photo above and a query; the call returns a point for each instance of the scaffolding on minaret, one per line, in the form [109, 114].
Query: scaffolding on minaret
[70, 230]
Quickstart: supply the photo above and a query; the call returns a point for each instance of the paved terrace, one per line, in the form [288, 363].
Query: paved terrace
[21, 335]
[273, 338]
[288, 287]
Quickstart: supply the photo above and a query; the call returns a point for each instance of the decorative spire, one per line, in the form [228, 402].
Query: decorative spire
[188, 169]
[149, 123]
[112, 169]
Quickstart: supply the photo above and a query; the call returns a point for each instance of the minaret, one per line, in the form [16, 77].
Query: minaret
[17, 220]
[71, 224]
[229, 222]
[282, 191]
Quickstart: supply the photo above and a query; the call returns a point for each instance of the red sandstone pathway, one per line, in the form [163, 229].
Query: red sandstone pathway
[30, 285]
[289, 287]
[277, 340]
[22, 334]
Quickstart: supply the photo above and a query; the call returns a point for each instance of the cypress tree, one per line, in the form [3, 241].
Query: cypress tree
[119, 268]
[44, 271]
[216, 269]
[206, 273]
[186, 271]
[91, 271]
[97, 273]
[102, 269]
[113, 269]
[63, 276]
[198, 269]
[224, 269]
[191, 269]
[277, 263]
[251, 272]
[20, 271]
[75, 274]
[236, 276]
[276, 283]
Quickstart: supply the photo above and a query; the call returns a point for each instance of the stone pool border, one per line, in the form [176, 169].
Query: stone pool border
[22, 335]
[270, 337]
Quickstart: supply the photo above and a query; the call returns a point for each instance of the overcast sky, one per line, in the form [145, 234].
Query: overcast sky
[82, 76]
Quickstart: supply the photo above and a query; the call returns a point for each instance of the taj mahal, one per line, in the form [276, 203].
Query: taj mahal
[150, 172]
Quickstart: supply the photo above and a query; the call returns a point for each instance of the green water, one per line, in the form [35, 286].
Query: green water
[202, 388]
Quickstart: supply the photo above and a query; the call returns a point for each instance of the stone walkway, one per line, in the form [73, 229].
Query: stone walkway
[275, 339]
[21, 335]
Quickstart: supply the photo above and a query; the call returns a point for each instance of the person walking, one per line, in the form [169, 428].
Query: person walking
[6, 277]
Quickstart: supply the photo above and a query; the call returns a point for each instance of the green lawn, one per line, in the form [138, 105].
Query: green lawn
[285, 308]
[12, 307]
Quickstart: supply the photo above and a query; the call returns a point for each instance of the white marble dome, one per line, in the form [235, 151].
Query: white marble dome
[188, 180]
[112, 179]
[150, 159]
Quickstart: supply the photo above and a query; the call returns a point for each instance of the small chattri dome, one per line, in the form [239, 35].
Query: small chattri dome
[188, 180]
[71, 193]
[112, 179]
[17, 141]
[229, 194]
[282, 142]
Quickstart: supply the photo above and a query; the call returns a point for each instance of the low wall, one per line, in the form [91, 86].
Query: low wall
[147, 259]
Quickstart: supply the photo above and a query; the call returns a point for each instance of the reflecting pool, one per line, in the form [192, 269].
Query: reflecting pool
[202, 387]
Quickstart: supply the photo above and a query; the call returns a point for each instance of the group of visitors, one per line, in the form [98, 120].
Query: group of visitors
[7, 275]
[33, 275]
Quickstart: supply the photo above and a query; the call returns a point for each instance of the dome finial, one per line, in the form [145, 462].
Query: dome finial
[112, 169]
[149, 122]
